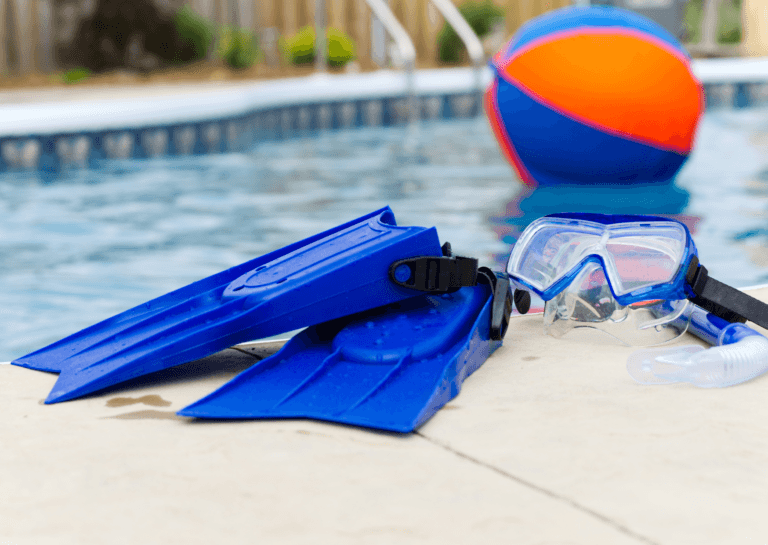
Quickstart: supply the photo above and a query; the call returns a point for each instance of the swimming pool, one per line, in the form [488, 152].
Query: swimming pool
[90, 243]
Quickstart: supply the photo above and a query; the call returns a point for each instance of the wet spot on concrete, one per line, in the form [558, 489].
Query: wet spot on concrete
[151, 400]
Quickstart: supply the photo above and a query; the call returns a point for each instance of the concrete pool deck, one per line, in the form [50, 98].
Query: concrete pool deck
[549, 442]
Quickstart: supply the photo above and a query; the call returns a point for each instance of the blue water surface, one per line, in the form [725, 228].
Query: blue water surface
[91, 243]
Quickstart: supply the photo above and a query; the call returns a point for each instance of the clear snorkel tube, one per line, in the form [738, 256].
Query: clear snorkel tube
[587, 305]
[739, 354]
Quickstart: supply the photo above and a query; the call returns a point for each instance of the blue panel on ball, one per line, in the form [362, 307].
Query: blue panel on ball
[556, 149]
[568, 19]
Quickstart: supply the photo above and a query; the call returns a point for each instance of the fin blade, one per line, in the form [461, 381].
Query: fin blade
[53, 356]
[343, 270]
[329, 378]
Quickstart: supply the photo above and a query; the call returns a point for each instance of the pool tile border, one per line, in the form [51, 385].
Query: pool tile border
[55, 136]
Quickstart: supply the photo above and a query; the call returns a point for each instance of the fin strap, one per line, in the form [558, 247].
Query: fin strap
[434, 274]
[449, 273]
[502, 301]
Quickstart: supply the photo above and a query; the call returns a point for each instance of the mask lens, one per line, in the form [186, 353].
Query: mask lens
[547, 253]
[637, 255]
[588, 306]
[644, 259]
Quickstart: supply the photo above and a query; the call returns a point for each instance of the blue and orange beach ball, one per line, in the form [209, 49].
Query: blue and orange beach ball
[595, 95]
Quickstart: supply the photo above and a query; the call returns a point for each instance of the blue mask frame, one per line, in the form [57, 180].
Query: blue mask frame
[690, 281]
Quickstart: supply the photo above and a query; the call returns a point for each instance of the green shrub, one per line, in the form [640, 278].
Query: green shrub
[692, 17]
[481, 16]
[341, 48]
[729, 23]
[300, 48]
[730, 35]
[196, 34]
[238, 48]
[75, 75]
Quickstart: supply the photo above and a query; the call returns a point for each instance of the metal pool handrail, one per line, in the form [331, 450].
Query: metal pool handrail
[467, 35]
[404, 45]
[320, 46]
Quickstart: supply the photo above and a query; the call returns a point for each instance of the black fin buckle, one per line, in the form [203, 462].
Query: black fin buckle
[435, 274]
[501, 308]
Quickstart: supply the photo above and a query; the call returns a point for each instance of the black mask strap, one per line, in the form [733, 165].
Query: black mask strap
[722, 300]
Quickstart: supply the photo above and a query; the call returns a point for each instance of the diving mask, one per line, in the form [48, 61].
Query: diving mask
[643, 258]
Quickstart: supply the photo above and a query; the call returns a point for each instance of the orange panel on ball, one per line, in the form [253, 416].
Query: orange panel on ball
[618, 82]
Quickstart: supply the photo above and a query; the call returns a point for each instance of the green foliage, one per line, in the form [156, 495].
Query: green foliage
[238, 48]
[196, 34]
[341, 48]
[481, 16]
[75, 75]
[728, 25]
[692, 18]
[300, 48]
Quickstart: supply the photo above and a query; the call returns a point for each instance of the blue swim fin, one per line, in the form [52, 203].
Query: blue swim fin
[336, 273]
[390, 368]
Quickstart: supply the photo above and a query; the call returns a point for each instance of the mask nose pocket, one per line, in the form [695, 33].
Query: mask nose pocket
[587, 309]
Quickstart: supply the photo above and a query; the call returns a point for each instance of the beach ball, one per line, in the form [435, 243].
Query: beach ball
[595, 95]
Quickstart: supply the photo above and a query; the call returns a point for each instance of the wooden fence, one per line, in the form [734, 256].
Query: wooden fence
[419, 17]
[25, 35]
[30, 29]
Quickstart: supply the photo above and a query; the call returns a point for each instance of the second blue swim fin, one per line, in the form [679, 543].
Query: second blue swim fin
[335, 273]
[390, 368]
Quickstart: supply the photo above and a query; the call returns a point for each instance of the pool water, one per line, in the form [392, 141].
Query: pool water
[89, 244]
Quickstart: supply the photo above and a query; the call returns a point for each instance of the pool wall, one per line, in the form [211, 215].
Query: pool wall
[51, 135]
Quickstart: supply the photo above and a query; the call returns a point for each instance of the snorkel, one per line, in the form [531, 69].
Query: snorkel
[739, 354]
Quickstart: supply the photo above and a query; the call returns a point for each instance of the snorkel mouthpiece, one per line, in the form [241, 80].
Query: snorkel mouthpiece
[715, 367]
[742, 355]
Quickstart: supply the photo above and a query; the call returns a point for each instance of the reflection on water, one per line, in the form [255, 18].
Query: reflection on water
[667, 200]
[90, 244]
